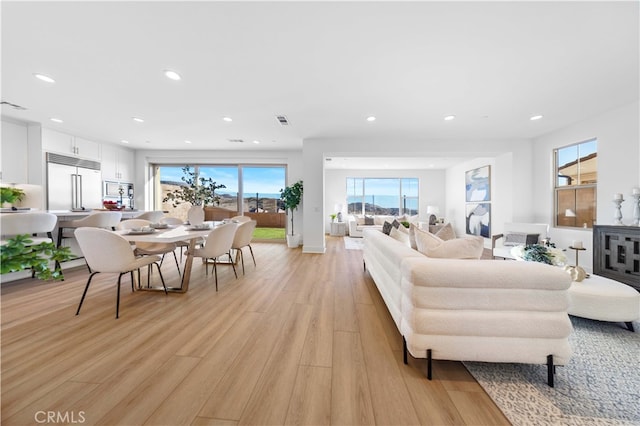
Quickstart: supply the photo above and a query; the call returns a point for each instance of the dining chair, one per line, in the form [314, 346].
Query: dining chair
[106, 220]
[242, 238]
[217, 243]
[152, 216]
[240, 219]
[12, 224]
[146, 248]
[175, 221]
[108, 252]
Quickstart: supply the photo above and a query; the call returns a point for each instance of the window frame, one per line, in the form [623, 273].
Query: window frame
[579, 199]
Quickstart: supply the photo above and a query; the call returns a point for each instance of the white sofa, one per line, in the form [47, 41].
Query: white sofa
[357, 225]
[472, 310]
[501, 244]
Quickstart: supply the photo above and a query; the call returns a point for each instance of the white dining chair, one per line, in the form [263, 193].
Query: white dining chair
[242, 238]
[107, 252]
[143, 248]
[240, 219]
[175, 221]
[152, 216]
[217, 243]
[12, 224]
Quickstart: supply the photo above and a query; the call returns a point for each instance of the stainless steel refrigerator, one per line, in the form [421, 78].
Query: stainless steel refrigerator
[73, 183]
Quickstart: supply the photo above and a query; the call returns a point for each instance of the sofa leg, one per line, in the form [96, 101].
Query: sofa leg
[429, 367]
[629, 326]
[550, 370]
[404, 351]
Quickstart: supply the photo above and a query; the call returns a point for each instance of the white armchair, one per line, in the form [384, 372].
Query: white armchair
[517, 234]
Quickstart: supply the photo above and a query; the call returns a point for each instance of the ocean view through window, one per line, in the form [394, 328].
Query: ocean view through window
[386, 196]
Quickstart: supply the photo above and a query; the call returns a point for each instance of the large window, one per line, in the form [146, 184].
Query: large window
[576, 178]
[387, 196]
[248, 188]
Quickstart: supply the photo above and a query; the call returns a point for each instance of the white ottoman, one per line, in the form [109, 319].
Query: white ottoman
[603, 299]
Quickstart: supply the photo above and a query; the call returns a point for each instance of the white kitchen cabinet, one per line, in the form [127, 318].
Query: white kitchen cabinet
[117, 163]
[63, 143]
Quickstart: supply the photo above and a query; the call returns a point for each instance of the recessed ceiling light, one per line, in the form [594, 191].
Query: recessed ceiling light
[56, 120]
[172, 75]
[256, 142]
[187, 141]
[535, 117]
[371, 118]
[227, 119]
[138, 119]
[44, 78]
[450, 117]
[124, 141]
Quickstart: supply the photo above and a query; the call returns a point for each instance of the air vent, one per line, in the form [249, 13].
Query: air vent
[14, 106]
[236, 140]
[282, 120]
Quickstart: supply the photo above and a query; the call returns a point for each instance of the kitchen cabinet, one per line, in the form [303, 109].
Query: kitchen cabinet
[117, 163]
[63, 143]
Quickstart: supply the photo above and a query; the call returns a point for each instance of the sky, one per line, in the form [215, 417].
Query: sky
[264, 180]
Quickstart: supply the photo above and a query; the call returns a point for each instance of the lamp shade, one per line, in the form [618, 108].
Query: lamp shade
[433, 210]
[337, 207]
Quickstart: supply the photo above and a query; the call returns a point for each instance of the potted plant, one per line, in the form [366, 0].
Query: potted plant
[18, 254]
[291, 197]
[199, 191]
[10, 195]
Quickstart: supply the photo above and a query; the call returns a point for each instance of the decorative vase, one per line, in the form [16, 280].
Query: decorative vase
[195, 215]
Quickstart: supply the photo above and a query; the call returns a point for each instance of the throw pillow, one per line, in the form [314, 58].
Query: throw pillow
[395, 223]
[368, 220]
[425, 240]
[386, 228]
[412, 236]
[446, 232]
[459, 248]
[360, 220]
[399, 235]
[520, 239]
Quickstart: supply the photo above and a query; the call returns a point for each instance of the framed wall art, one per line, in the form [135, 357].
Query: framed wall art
[478, 184]
[478, 218]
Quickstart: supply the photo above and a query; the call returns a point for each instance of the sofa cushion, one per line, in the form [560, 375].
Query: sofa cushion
[386, 228]
[458, 248]
[446, 232]
[520, 238]
[425, 239]
[402, 236]
[360, 220]
[368, 220]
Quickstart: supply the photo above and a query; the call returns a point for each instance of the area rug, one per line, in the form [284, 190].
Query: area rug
[599, 386]
[353, 243]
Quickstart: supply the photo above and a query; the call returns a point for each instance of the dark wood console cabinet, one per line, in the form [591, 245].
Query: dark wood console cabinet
[616, 253]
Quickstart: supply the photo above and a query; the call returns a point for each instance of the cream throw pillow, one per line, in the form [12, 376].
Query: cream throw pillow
[425, 240]
[401, 236]
[457, 248]
[446, 232]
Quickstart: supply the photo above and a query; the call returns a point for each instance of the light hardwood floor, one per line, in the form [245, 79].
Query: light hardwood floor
[301, 339]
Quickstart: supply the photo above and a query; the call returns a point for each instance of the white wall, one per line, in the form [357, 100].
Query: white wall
[14, 153]
[514, 153]
[618, 135]
[431, 189]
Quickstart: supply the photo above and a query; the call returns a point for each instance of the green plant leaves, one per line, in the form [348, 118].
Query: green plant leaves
[19, 253]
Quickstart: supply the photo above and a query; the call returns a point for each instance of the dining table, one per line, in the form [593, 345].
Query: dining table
[172, 234]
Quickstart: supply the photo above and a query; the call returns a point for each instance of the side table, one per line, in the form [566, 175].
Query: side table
[338, 229]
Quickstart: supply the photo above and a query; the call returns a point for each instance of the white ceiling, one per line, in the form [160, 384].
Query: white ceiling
[325, 65]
